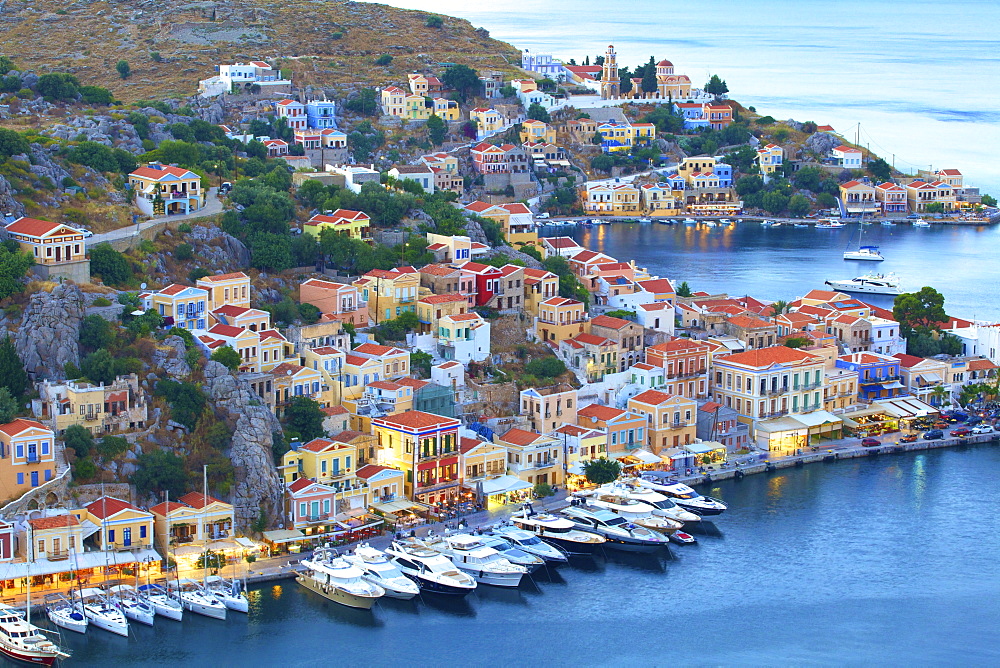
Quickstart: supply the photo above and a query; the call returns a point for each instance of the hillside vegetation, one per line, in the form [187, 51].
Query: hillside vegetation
[169, 47]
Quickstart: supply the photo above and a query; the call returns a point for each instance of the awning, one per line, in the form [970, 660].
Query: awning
[775, 425]
[78, 562]
[246, 543]
[400, 506]
[222, 545]
[674, 454]
[817, 418]
[704, 447]
[906, 407]
[930, 377]
[646, 457]
[503, 485]
[185, 550]
[894, 385]
[576, 468]
[284, 536]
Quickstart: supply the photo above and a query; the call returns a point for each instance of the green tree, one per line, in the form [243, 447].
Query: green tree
[271, 252]
[796, 342]
[747, 185]
[58, 86]
[96, 95]
[989, 200]
[12, 374]
[826, 201]
[187, 401]
[543, 489]
[649, 77]
[684, 290]
[779, 307]
[12, 143]
[227, 357]
[934, 207]
[365, 103]
[110, 265]
[545, 367]
[8, 406]
[421, 361]
[79, 439]
[434, 21]
[100, 367]
[96, 332]
[537, 112]
[437, 129]
[625, 80]
[602, 471]
[880, 170]
[84, 469]
[716, 86]
[14, 264]
[921, 310]
[110, 447]
[160, 471]
[384, 60]
[775, 202]
[463, 79]
[124, 71]
[602, 163]
[799, 205]
[304, 417]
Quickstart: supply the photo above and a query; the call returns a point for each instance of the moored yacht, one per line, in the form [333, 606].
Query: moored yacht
[662, 505]
[920, 222]
[335, 579]
[530, 543]
[230, 592]
[23, 641]
[474, 557]
[101, 611]
[198, 600]
[559, 531]
[431, 570]
[376, 568]
[164, 603]
[619, 532]
[66, 614]
[828, 224]
[682, 495]
[869, 253]
[132, 605]
[512, 553]
[876, 284]
[630, 510]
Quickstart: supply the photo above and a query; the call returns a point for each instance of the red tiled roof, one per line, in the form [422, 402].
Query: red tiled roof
[678, 344]
[163, 509]
[443, 299]
[652, 397]
[164, 170]
[747, 322]
[54, 522]
[438, 270]
[16, 426]
[517, 436]
[198, 500]
[981, 365]
[418, 420]
[413, 382]
[334, 410]
[764, 357]
[467, 444]
[299, 484]
[106, 506]
[231, 310]
[384, 385]
[32, 227]
[223, 277]
[600, 412]
[220, 329]
[369, 470]
[656, 285]
[710, 407]
[610, 322]
[908, 360]
[592, 339]
[316, 445]
[375, 349]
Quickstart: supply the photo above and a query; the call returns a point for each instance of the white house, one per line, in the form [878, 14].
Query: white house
[448, 374]
[886, 338]
[420, 173]
[847, 157]
[355, 176]
[658, 316]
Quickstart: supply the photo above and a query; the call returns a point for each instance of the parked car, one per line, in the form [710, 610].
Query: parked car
[961, 431]
[542, 216]
[982, 429]
[871, 442]
[912, 216]
[225, 187]
[87, 234]
[973, 421]
[909, 438]
[933, 435]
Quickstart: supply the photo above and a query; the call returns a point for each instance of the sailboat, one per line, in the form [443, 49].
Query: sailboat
[164, 603]
[65, 613]
[868, 253]
[134, 606]
[101, 611]
[230, 592]
[191, 595]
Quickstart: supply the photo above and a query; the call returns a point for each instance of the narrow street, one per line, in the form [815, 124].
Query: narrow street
[213, 206]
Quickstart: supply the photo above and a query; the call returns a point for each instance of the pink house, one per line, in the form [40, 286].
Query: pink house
[339, 300]
[294, 114]
[310, 502]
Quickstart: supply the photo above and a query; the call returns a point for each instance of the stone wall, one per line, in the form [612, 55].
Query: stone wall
[78, 272]
[49, 335]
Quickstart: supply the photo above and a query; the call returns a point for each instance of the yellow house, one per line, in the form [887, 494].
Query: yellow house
[100, 409]
[769, 158]
[432, 308]
[615, 198]
[329, 362]
[581, 444]
[320, 460]
[354, 224]
[659, 199]
[443, 161]
[539, 285]
[192, 518]
[560, 318]
[488, 121]
[671, 419]
[380, 397]
[858, 197]
[921, 193]
[390, 293]
[425, 447]
[28, 451]
[165, 189]
[182, 306]
[393, 101]
[370, 362]
[243, 341]
[58, 249]
[292, 380]
[232, 289]
[537, 131]
[273, 349]
[481, 460]
[122, 525]
[384, 484]
[532, 457]
[53, 538]
[419, 108]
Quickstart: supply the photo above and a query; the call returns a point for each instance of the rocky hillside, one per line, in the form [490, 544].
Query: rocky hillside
[171, 46]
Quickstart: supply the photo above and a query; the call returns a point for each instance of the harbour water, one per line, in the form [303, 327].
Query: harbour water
[919, 76]
[886, 560]
[785, 262]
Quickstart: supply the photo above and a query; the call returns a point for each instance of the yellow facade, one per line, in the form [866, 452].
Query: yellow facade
[49, 243]
[389, 294]
[560, 318]
[28, 451]
[321, 460]
[482, 459]
[122, 525]
[489, 121]
[354, 224]
[537, 131]
[671, 419]
[226, 289]
[614, 198]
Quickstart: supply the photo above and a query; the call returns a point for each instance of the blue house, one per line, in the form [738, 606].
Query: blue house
[725, 174]
[878, 375]
[321, 114]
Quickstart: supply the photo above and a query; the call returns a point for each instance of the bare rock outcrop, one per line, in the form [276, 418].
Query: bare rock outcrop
[257, 487]
[49, 335]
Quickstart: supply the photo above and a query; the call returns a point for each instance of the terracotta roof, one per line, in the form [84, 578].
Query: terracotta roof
[375, 349]
[600, 412]
[438, 270]
[515, 207]
[198, 500]
[368, 470]
[656, 285]
[222, 277]
[517, 436]
[418, 420]
[326, 350]
[560, 242]
[710, 407]
[679, 344]
[748, 322]
[334, 410]
[16, 426]
[54, 522]
[610, 322]
[467, 444]
[572, 430]
[220, 329]
[463, 317]
[765, 357]
[163, 509]
[415, 383]
[846, 149]
[286, 368]
[156, 174]
[981, 365]
[908, 360]
[384, 385]
[443, 299]
[347, 436]
[299, 484]
[32, 227]
[231, 310]
[592, 340]
[652, 397]
[106, 506]
[560, 301]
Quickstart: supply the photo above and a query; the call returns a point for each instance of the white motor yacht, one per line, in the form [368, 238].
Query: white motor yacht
[631, 510]
[433, 571]
[195, 598]
[135, 607]
[23, 641]
[868, 253]
[920, 222]
[682, 495]
[530, 543]
[101, 610]
[875, 284]
[230, 592]
[376, 568]
[66, 614]
[619, 532]
[335, 579]
[164, 603]
[690, 221]
[512, 553]
[710, 223]
[662, 505]
[559, 531]
[472, 556]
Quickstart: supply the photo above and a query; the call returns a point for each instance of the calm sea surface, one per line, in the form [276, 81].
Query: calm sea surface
[888, 561]
[920, 76]
[786, 262]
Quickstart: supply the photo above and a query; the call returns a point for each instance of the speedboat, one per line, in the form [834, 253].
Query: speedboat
[920, 222]
[767, 223]
[474, 557]
[800, 225]
[868, 253]
[431, 570]
[661, 504]
[876, 284]
[531, 543]
[230, 592]
[23, 641]
[710, 223]
[887, 223]
[101, 611]
[828, 224]
[682, 495]
[619, 532]
[559, 531]
[199, 600]
[645, 220]
[376, 568]
[66, 614]
[130, 603]
[512, 553]
[682, 538]
[690, 221]
[725, 221]
[632, 511]
[164, 603]
[333, 578]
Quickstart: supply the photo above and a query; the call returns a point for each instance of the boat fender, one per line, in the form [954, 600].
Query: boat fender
[480, 574]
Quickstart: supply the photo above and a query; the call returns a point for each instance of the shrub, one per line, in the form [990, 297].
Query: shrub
[545, 367]
[337, 35]
[102, 301]
[384, 60]
[124, 71]
[184, 228]
[434, 22]
[183, 252]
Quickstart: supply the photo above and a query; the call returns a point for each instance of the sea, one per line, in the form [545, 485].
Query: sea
[914, 80]
[885, 561]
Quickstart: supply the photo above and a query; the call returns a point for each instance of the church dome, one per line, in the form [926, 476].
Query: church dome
[664, 63]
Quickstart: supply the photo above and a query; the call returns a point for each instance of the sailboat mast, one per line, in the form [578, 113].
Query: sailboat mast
[204, 503]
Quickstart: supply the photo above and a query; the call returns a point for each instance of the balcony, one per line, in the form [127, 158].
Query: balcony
[877, 379]
[811, 386]
[432, 486]
[317, 518]
[33, 458]
[686, 374]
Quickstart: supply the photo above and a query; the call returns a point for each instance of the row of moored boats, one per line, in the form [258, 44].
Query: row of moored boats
[638, 515]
